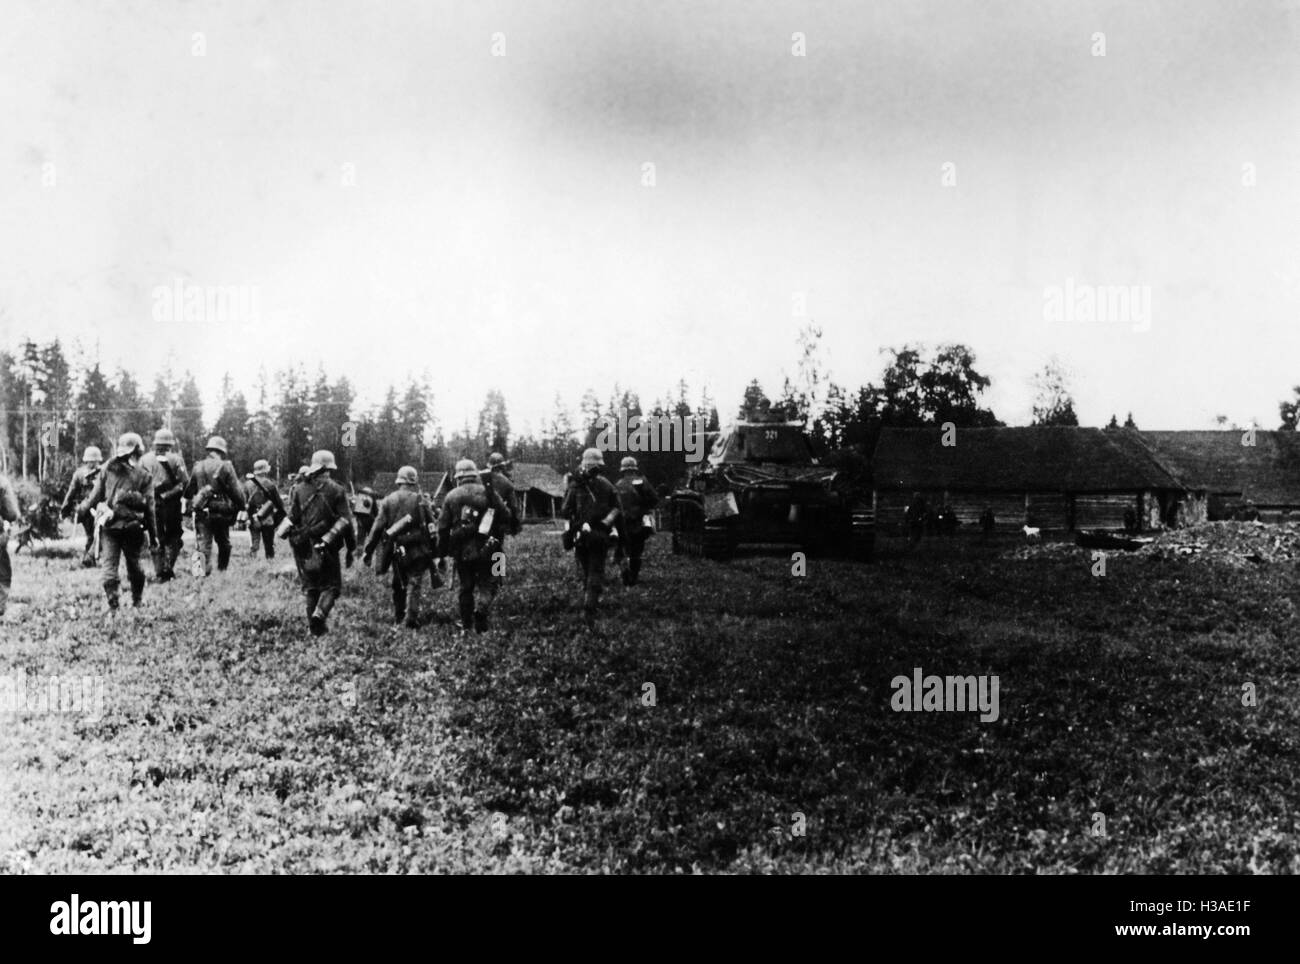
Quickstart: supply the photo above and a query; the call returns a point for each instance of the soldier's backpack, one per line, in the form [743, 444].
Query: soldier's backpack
[468, 540]
[413, 544]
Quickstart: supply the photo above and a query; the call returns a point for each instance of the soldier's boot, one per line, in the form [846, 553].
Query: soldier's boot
[137, 591]
[399, 603]
[467, 614]
[634, 570]
[480, 622]
[110, 591]
[313, 599]
[223, 558]
[589, 600]
[320, 618]
[173, 553]
[252, 550]
[413, 602]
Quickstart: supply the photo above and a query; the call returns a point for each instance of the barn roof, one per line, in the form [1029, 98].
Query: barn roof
[1267, 472]
[1037, 458]
[537, 475]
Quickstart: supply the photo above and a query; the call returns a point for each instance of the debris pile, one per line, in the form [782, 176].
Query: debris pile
[1240, 544]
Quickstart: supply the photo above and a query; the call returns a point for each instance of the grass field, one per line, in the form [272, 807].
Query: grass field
[232, 741]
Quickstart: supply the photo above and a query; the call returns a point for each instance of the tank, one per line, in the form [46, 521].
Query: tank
[762, 487]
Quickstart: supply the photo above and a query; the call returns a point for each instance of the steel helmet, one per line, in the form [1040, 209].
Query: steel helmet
[592, 459]
[405, 476]
[304, 471]
[466, 469]
[92, 454]
[628, 465]
[322, 459]
[495, 459]
[164, 436]
[261, 467]
[129, 444]
[217, 444]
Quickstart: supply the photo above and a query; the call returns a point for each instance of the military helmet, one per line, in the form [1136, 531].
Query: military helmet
[322, 459]
[466, 469]
[405, 476]
[92, 454]
[628, 465]
[217, 444]
[367, 490]
[592, 459]
[304, 471]
[129, 444]
[495, 459]
[164, 436]
[261, 467]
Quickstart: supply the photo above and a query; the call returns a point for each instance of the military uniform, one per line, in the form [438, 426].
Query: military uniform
[8, 513]
[83, 481]
[474, 552]
[505, 490]
[216, 498]
[127, 491]
[170, 478]
[265, 511]
[322, 522]
[591, 508]
[636, 499]
[410, 552]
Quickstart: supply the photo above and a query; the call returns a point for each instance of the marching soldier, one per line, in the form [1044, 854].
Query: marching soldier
[297, 479]
[403, 532]
[265, 508]
[591, 507]
[505, 489]
[169, 480]
[470, 528]
[322, 523]
[8, 514]
[83, 480]
[636, 500]
[363, 510]
[126, 492]
[216, 498]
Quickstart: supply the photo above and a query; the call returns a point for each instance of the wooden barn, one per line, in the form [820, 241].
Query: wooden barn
[1224, 474]
[540, 489]
[1054, 478]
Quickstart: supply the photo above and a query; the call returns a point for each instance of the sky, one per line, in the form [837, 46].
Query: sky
[462, 188]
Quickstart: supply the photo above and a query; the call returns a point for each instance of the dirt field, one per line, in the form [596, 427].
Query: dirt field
[232, 741]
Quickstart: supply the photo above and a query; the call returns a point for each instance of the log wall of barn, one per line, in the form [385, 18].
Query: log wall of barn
[1008, 509]
[1105, 511]
[1049, 510]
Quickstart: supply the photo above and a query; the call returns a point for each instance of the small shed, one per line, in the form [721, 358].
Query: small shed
[540, 489]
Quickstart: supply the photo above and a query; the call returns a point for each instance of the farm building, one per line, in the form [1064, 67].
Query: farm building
[1227, 473]
[540, 489]
[1055, 478]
